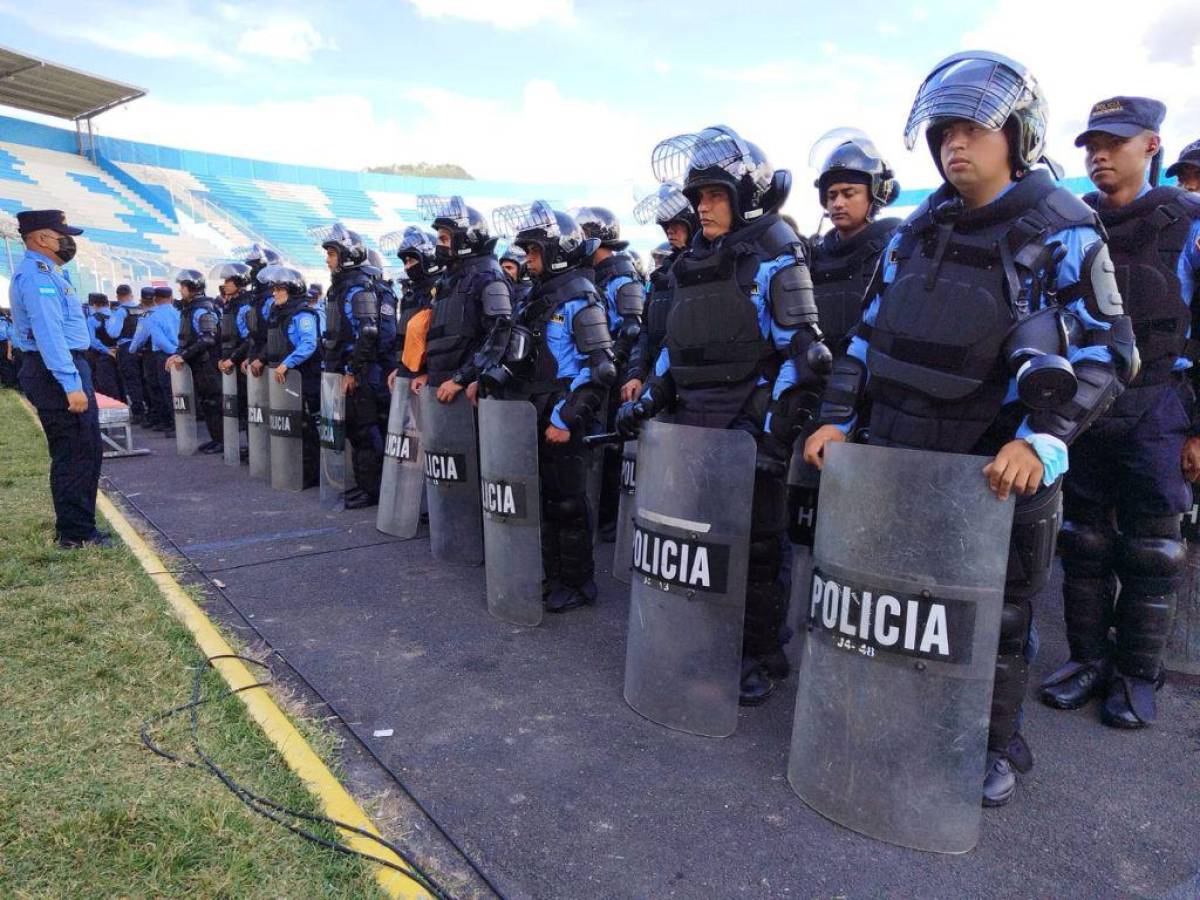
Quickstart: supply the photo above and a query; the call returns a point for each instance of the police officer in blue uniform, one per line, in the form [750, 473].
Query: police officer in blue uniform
[561, 360]
[350, 347]
[199, 348]
[624, 291]
[385, 353]
[961, 347]
[254, 314]
[159, 331]
[293, 332]
[1187, 168]
[237, 301]
[472, 306]
[101, 352]
[673, 213]
[1128, 481]
[745, 353]
[120, 328]
[50, 331]
[8, 370]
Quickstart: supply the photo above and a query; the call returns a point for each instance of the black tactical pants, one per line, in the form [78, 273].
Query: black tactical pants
[206, 379]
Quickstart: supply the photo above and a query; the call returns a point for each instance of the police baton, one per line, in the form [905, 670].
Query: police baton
[609, 437]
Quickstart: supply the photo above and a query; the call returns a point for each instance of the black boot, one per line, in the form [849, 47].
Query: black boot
[563, 599]
[1000, 777]
[756, 685]
[361, 501]
[1130, 702]
[1075, 683]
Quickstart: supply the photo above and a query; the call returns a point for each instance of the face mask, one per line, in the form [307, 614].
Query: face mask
[443, 253]
[66, 248]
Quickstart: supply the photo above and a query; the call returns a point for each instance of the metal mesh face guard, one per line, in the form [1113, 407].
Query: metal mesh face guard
[257, 253]
[411, 240]
[664, 205]
[283, 276]
[517, 218]
[190, 277]
[433, 208]
[984, 88]
[239, 272]
[715, 147]
[339, 234]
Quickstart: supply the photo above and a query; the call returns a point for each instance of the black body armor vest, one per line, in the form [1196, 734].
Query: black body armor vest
[841, 270]
[457, 314]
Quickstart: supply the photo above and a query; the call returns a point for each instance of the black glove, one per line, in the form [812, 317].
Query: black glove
[630, 417]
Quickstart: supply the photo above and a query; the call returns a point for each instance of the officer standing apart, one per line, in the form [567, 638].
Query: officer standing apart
[350, 346]
[199, 348]
[742, 349]
[561, 360]
[50, 331]
[1187, 168]
[1132, 467]
[961, 348]
[121, 327]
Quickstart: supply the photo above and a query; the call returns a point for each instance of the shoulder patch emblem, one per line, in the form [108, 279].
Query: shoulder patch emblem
[42, 267]
[559, 318]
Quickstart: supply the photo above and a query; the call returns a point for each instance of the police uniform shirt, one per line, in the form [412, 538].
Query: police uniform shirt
[47, 317]
[116, 321]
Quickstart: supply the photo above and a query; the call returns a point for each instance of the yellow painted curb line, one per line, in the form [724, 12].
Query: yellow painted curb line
[299, 755]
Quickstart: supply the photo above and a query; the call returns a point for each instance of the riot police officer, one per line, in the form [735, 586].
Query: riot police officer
[668, 207]
[350, 348]
[961, 347]
[417, 251]
[389, 309]
[255, 314]
[1131, 468]
[512, 261]
[741, 346]
[101, 354]
[293, 330]
[561, 360]
[1187, 168]
[121, 327]
[199, 346]
[472, 306]
[624, 292]
[238, 302]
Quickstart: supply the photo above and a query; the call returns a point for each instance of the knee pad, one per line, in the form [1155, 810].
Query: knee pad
[1152, 563]
[563, 510]
[1014, 626]
[1087, 548]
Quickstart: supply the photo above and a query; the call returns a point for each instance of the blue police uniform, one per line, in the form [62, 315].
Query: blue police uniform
[121, 327]
[159, 328]
[8, 369]
[50, 330]
[105, 378]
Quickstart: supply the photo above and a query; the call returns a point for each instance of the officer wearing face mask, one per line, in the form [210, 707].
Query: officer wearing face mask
[50, 331]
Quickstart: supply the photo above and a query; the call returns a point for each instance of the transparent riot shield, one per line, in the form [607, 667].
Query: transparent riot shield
[450, 459]
[333, 441]
[691, 545]
[258, 434]
[183, 398]
[286, 421]
[803, 482]
[595, 484]
[623, 546]
[1183, 646]
[403, 482]
[229, 419]
[512, 509]
[895, 688]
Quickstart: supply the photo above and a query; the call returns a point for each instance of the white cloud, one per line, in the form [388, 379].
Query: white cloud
[173, 29]
[507, 15]
[662, 66]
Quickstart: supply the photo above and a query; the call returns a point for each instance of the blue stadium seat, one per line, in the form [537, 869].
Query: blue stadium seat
[9, 170]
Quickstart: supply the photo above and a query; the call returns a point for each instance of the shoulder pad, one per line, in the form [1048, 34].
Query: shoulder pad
[496, 299]
[1190, 203]
[792, 300]
[1065, 210]
[631, 298]
[208, 321]
[779, 238]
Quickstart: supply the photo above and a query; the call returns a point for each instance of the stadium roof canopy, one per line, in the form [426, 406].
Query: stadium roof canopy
[35, 85]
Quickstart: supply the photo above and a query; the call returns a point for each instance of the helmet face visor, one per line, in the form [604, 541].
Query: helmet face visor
[517, 218]
[224, 271]
[431, 207]
[665, 205]
[982, 88]
[718, 147]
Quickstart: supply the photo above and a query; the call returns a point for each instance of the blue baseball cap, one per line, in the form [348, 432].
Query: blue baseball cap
[1188, 156]
[1125, 117]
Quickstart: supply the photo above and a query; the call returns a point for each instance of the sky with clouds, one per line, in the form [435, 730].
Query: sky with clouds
[579, 92]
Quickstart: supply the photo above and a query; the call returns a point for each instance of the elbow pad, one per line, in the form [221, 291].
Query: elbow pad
[793, 302]
[1099, 386]
[603, 369]
[843, 393]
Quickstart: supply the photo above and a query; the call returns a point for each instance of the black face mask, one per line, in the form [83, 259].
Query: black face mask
[66, 248]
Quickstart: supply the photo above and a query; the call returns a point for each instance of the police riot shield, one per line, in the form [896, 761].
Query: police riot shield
[512, 509]
[1183, 646]
[286, 421]
[594, 457]
[450, 459]
[803, 482]
[623, 546]
[403, 481]
[894, 693]
[183, 398]
[258, 435]
[333, 441]
[691, 544]
[229, 419]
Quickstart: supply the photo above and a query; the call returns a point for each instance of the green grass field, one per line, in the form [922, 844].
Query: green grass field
[88, 649]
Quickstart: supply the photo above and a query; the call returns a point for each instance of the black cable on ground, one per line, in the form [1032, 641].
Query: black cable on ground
[194, 567]
[263, 806]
